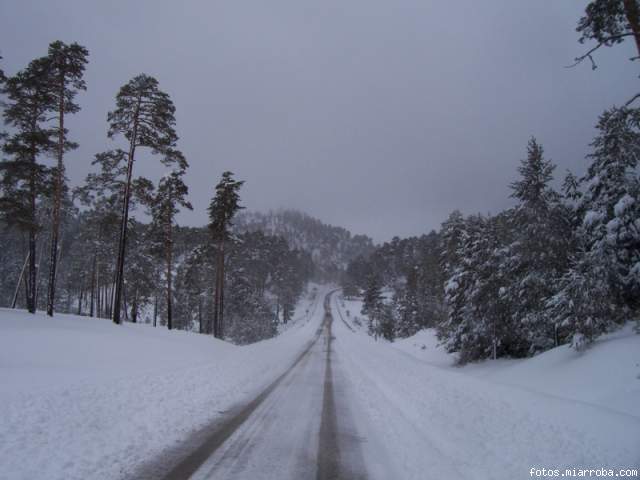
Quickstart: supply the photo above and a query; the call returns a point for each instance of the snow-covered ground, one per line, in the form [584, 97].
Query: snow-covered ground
[83, 398]
[606, 374]
[498, 419]
[307, 308]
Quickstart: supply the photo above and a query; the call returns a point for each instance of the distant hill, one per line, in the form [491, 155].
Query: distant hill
[331, 248]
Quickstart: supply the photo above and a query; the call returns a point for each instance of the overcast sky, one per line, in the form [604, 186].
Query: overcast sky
[379, 116]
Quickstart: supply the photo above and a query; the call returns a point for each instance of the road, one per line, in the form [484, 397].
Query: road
[353, 408]
[300, 427]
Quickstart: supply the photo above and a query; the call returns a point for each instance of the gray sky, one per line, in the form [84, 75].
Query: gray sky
[379, 116]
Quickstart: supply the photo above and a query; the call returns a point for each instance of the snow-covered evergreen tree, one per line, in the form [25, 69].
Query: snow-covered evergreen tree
[538, 255]
[603, 285]
[373, 305]
[407, 307]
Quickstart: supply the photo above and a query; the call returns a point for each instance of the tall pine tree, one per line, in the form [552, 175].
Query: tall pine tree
[538, 255]
[170, 195]
[224, 206]
[65, 69]
[144, 115]
[25, 180]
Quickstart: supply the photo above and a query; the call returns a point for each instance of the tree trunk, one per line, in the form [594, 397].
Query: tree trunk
[93, 284]
[38, 269]
[31, 282]
[98, 296]
[119, 280]
[169, 255]
[68, 304]
[55, 226]
[631, 12]
[80, 301]
[134, 307]
[221, 326]
[26, 290]
[216, 297]
[108, 299]
[155, 311]
[124, 301]
[218, 306]
[15, 295]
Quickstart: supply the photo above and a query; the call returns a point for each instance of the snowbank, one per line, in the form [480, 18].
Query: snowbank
[83, 398]
[424, 346]
[607, 374]
[437, 422]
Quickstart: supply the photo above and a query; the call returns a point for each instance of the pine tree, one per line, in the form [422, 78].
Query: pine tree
[2, 75]
[191, 279]
[373, 304]
[602, 287]
[430, 281]
[571, 188]
[454, 233]
[612, 200]
[65, 69]
[102, 194]
[144, 115]
[609, 22]
[539, 253]
[356, 276]
[171, 194]
[478, 323]
[407, 306]
[25, 181]
[224, 206]
[142, 276]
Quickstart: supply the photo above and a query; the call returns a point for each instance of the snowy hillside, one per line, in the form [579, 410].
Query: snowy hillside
[606, 374]
[331, 248]
[426, 419]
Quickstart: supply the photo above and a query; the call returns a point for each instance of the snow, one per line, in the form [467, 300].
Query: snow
[108, 398]
[623, 204]
[83, 398]
[450, 285]
[592, 217]
[607, 374]
[439, 422]
[351, 312]
[424, 346]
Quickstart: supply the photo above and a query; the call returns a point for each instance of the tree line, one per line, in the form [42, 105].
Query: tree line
[560, 267]
[112, 265]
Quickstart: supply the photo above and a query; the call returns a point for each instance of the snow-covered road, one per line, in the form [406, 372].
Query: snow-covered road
[355, 408]
[299, 428]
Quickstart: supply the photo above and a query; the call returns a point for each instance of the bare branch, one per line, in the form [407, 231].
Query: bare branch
[582, 58]
[632, 99]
